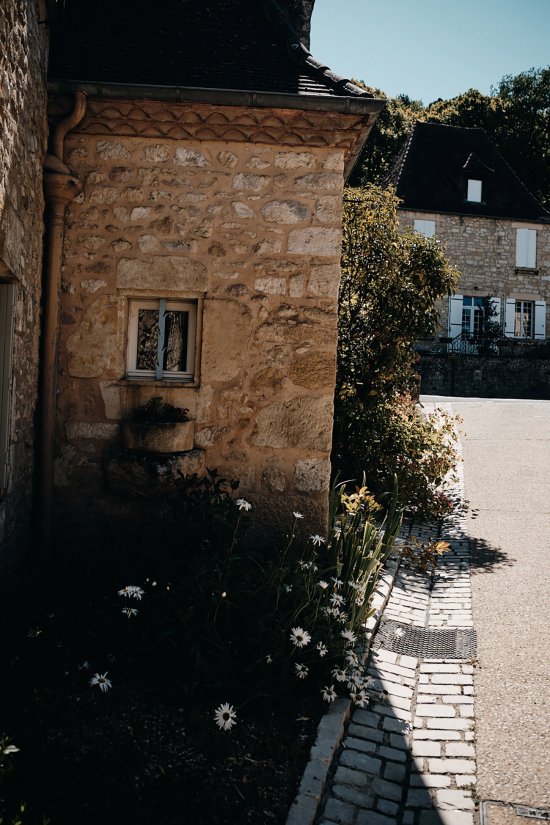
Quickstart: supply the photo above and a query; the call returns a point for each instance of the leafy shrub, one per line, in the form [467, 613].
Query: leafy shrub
[390, 283]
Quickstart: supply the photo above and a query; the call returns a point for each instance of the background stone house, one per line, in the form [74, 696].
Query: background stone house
[455, 185]
[194, 178]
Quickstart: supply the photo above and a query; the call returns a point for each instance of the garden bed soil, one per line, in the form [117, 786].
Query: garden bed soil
[129, 757]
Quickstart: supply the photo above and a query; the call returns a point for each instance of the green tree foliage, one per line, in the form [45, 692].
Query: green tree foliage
[390, 283]
[515, 115]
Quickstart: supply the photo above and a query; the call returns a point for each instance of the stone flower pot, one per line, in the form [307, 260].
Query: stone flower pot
[158, 436]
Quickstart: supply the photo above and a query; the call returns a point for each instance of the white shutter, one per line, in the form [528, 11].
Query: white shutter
[509, 317]
[455, 315]
[539, 325]
[526, 248]
[426, 228]
[7, 297]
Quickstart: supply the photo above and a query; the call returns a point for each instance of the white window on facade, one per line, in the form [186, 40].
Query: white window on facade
[525, 319]
[472, 315]
[466, 315]
[426, 228]
[473, 193]
[7, 299]
[161, 339]
[526, 248]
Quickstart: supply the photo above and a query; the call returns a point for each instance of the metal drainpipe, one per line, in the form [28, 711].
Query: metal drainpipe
[60, 189]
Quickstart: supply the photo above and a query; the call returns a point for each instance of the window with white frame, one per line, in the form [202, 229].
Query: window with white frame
[525, 319]
[526, 248]
[426, 228]
[7, 299]
[472, 315]
[161, 339]
[473, 193]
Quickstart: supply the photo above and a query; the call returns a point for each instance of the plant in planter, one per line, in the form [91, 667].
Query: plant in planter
[158, 427]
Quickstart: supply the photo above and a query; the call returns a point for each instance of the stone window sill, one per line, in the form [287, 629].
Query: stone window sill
[152, 382]
[527, 269]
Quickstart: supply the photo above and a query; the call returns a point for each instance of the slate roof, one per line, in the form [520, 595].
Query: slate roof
[246, 45]
[432, 171]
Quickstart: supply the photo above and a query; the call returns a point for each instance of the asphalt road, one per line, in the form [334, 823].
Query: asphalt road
[506, 446]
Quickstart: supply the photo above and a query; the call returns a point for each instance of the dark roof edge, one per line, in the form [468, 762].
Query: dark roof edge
[543, 219]
[225, 97]
[300, 53]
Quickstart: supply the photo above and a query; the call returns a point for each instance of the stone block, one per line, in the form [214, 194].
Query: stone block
[162, 273]
[315, 241]
[314, 370]
[286, 212]
[312, 475]
[226, 334]
[304, 421]
[92, 347]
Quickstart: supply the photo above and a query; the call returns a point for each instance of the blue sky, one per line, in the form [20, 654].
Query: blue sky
[431, 48]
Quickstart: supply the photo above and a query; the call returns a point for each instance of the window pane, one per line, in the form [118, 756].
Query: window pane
[175, 341]
[474, 191]
[147, 339]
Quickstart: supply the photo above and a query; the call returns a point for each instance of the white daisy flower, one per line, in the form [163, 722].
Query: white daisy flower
[329, 694]
[336, 599]
[269, 659]
[287, 588]
[317, 540]
[101, 681]
[10, 749]
[299, 637]
[349, 636]
[225, 717]
[302, 671]
[355, 681]
[339, 674]
[352, 659]
[323, 584]
[337, 582]
[399, 632]
[242, 504]
[297, 515]
[323, 649]
[132, 591]
[129, 611]
[360, 698]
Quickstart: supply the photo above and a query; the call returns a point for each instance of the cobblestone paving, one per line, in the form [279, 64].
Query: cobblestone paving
[409, 758]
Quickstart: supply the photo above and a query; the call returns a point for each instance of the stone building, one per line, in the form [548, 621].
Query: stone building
[455, 185]
[23, 132]
[194, 180]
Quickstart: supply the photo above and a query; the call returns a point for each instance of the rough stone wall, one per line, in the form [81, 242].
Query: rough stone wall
[254, 230]
[484, 251]
[485, 376]
[23, 131]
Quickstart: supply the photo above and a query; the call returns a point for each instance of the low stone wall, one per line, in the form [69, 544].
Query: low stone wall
[484, 376]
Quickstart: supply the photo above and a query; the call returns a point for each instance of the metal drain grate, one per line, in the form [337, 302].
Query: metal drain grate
[422, 642]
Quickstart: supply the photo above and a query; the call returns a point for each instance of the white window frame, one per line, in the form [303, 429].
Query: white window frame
[132, 372]
[526, 248]
[7, 305]
[426, 228]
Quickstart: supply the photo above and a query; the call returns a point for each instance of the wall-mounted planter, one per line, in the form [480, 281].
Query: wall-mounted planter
[139, 474]
[158, 436]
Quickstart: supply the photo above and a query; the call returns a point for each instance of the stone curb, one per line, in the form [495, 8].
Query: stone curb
[330, 731]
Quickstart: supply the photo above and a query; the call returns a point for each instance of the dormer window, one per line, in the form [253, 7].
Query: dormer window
[473, 194]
